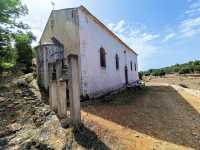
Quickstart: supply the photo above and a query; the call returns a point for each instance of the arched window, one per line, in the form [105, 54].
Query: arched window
[102, 57]
[131, 64]
[135, 67]
[117, 61]
[54, 72]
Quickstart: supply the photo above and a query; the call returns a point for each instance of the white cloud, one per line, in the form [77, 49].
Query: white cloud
[195, 4]
[39, 11]
[119, 27]
[136, 38]
[194, 8]
[168, 37]
[149, 37]
[190, 27]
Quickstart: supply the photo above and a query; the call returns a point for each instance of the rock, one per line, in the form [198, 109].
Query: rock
[11, 129]
[15, 127]
[21, 83]
[11, 106]
[38, 120]
[2, 109]
[36, 145]
[29, 77]
[18, 92]
[3, 141]
[2, 99]
[5, 132]
[28, 98]
[26, 146]
[68, 147]
[25, 94]
[52, 130]
[46, 113]
[34, 85]
[137, 136]
[65, 123]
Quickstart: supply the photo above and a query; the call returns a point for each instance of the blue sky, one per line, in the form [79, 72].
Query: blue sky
[163, 32]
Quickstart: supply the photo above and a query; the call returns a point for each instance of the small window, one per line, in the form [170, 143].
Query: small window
[131, 64]
[54, 72]
[102, 57]
[135, 67]
[72, 14]
[52, 24]
[117, 61]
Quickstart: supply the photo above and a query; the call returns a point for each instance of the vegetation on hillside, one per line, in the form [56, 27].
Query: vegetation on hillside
[186, 68]
[15, 40]
[24, 50]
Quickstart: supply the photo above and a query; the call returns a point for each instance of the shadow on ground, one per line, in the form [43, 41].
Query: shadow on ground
[157, 111]
[88, 139]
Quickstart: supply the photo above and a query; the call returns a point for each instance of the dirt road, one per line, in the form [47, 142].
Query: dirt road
[188, 81]
[157, 117]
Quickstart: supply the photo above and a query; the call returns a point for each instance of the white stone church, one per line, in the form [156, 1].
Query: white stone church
[105, 62]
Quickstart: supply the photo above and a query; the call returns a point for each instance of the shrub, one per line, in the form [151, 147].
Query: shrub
[197, 68]
[185, 70]
[24, 49]
[158, 73]
[140, 75]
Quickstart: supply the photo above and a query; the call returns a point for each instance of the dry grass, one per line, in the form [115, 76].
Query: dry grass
[188, 81]
[157, 117]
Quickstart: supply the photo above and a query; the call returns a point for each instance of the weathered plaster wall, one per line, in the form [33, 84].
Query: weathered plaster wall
[63, 25]
[83, 36]
[96, 80]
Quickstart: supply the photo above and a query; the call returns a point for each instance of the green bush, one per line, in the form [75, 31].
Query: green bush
[24, 50]
[158, 72]
[185, 70]
[190, 67]
[197, 68]
[140, 75]
[10, 13]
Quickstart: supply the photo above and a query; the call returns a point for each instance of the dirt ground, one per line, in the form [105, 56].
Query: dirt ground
[156, 117]
[26, 122]
[187, 81]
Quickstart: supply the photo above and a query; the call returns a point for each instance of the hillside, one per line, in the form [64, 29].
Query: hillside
[189, 67]
[113, 122]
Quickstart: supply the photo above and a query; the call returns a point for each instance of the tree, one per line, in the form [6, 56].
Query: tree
[185, 70]
[197, 68]
[158, 72]
[140, 74]
[10, 11]
[24, 49]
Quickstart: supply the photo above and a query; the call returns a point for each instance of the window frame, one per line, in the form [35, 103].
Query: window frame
[135, 66]
[131, 65]
[117, 61]
[102, 56]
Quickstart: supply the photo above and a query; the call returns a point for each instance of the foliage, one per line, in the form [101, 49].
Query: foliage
[24, 49]
[190, 67]
[10, 28]
[140, 75]
[158, 72]
[7, 57]
[185, 70]
[10, 10]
